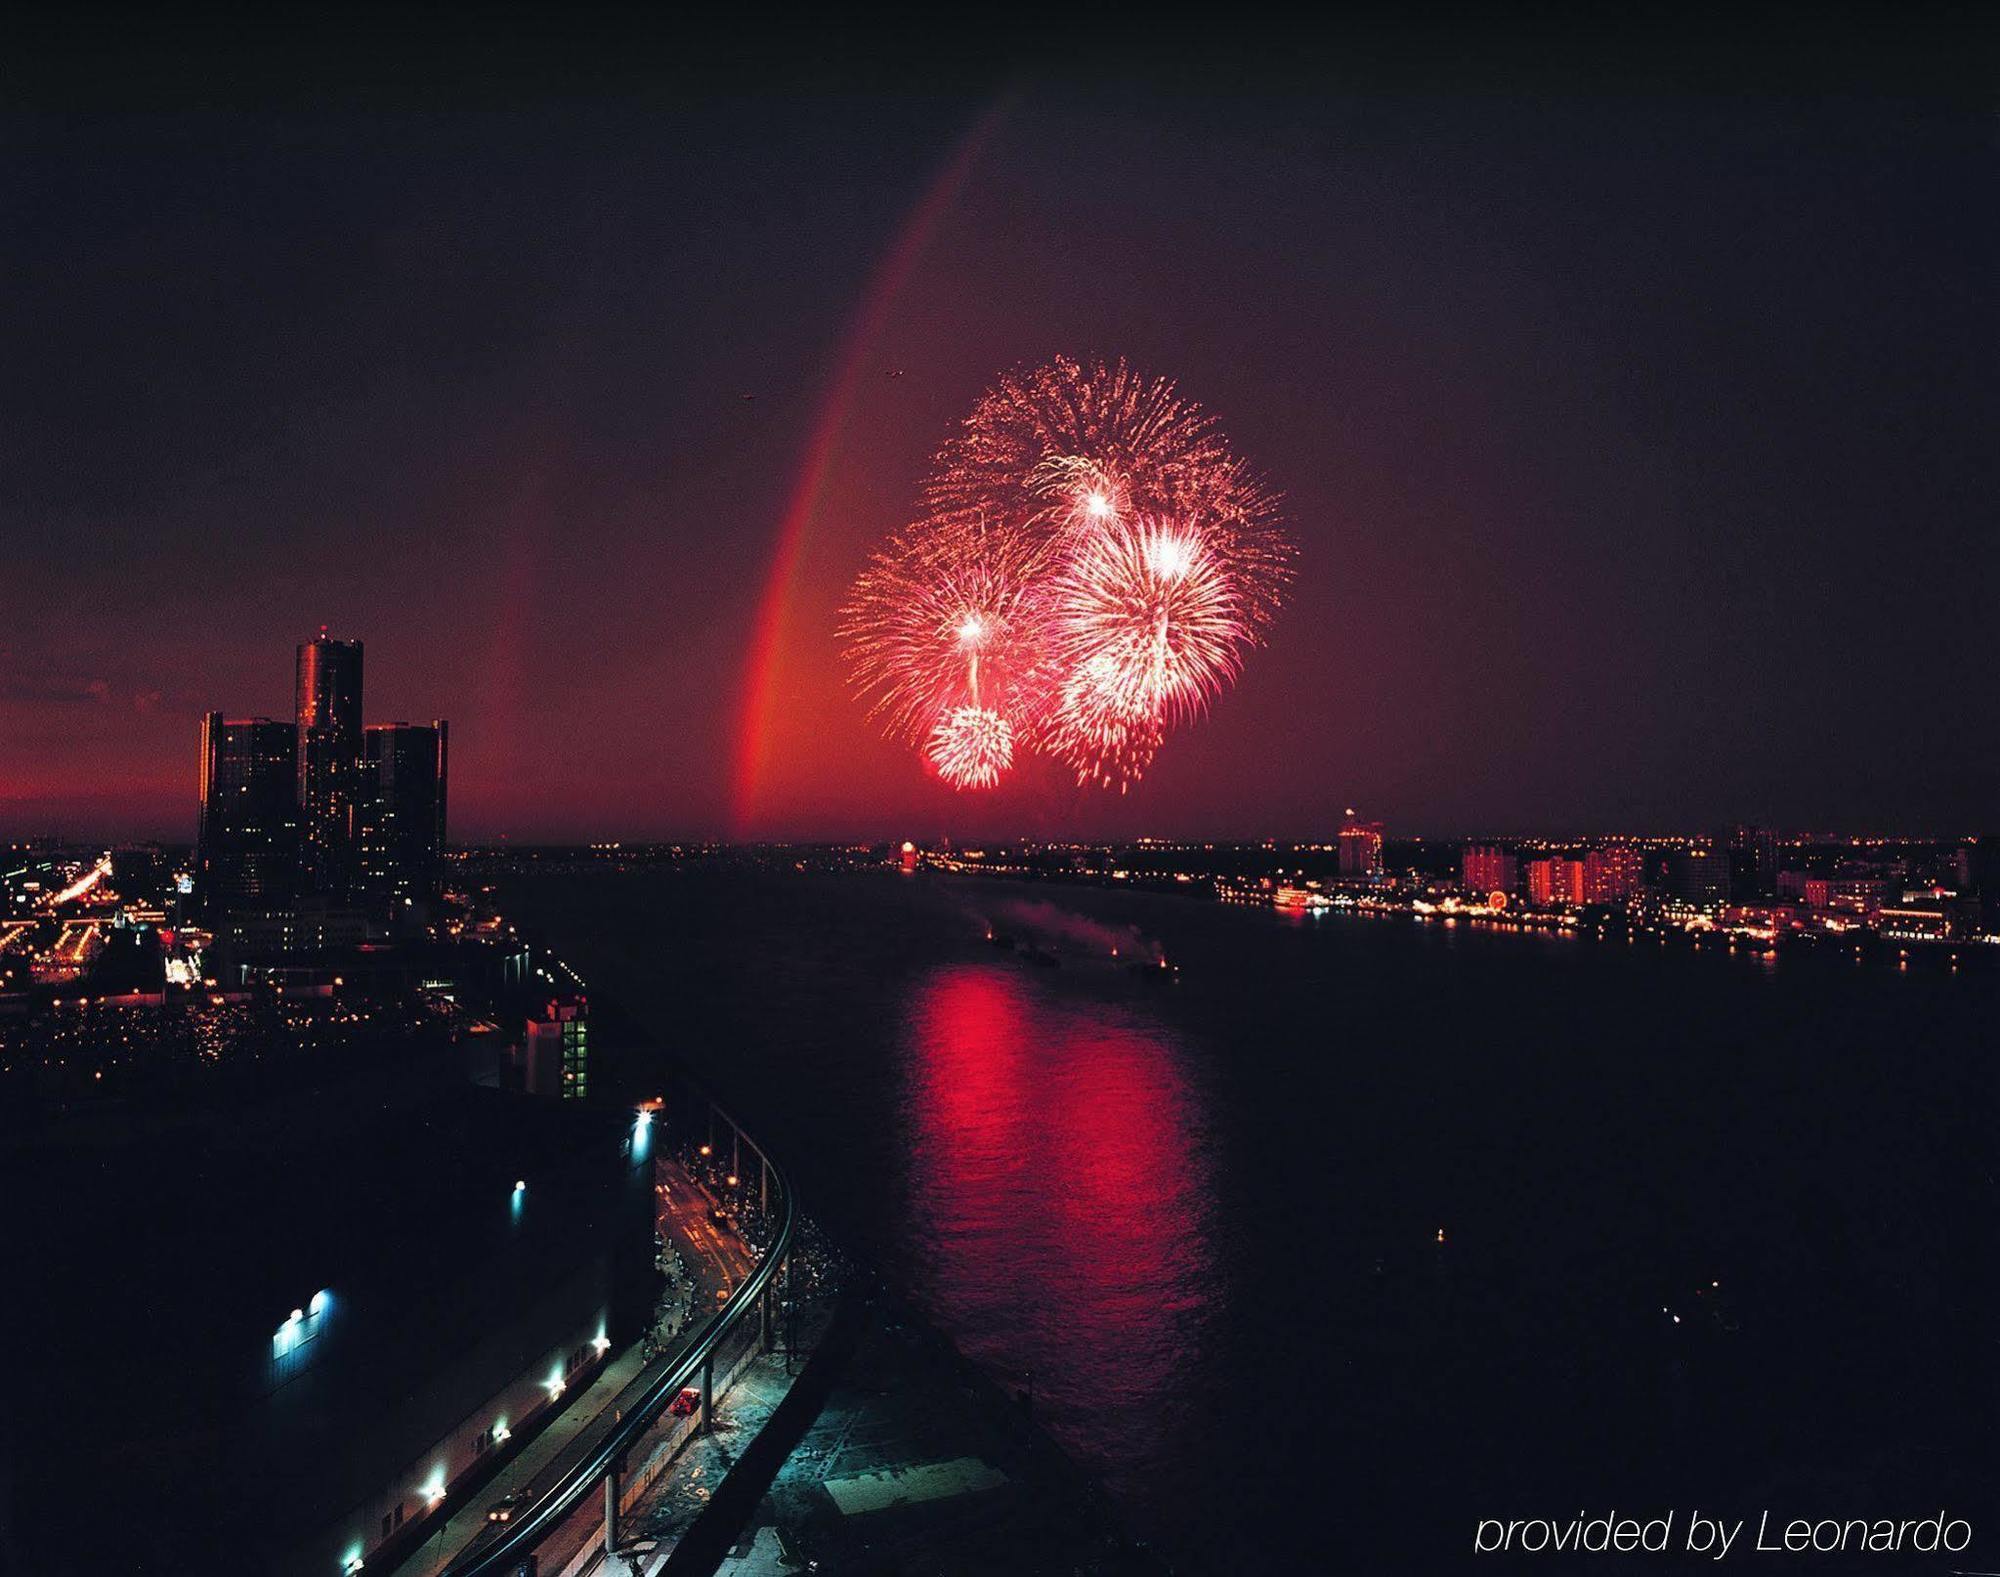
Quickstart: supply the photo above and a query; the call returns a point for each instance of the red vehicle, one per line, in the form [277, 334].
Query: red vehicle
[687, 1404]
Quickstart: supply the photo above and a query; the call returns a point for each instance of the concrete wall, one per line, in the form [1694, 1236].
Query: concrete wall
[518, 1406]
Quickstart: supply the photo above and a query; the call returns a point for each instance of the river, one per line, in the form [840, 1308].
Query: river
[1340, 1234]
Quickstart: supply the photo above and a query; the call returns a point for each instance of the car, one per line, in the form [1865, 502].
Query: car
[503, 1509]
[687, 1404]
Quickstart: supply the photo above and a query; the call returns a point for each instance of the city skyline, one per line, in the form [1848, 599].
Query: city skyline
[1155, 796]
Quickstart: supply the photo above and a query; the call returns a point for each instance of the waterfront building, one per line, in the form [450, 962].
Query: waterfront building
[1699, 876]
[328, 717]
[1862, 895]
[1753, 863]
[1555, 882]
[247, 846]
[1920, 920]
[1487, 868]
[556, 1049]
[399, 813]
[1612, 874]
[1360, 849]
[1773, 920]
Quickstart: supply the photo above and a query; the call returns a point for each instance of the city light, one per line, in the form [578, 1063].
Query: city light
[320, 1300]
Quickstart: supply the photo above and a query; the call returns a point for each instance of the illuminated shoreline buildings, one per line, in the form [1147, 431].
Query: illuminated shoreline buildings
[1360, 850]
[1486, 868]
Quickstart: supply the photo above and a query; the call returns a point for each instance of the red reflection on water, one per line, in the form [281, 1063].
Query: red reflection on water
[1061, 1190]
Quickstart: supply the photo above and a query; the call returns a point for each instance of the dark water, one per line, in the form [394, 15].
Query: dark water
[1204, 1213]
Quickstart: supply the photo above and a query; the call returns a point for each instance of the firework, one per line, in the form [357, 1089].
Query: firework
[971, 746]
[940, 620]
[1091, 568]
[1145, 623]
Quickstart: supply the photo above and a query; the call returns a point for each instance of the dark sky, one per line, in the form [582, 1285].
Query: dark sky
[1633, 394]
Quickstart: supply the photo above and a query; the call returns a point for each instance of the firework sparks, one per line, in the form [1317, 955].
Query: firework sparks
[939, 621]
[1092, 567]
[971, 747]
[1144, 622]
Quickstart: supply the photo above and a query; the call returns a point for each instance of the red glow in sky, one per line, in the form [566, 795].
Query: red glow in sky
[584, 419]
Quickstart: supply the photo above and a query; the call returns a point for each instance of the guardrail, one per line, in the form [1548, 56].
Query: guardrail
[527, 1530]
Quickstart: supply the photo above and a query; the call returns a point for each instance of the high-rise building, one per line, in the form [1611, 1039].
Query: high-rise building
[1753, 862]
[247, 856]
[1699, 876]
[556, 1049]
[1554, 882]
[329, 757]
[1486, 868]
[1611, 874]
[1360, 849]
[399, 812]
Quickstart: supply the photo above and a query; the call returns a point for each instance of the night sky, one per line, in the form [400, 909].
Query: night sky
[1634, 399]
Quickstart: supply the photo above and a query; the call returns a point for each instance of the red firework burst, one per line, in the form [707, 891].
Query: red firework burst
[971, 746]
[940, 620]
[1093, 565]
[1145, 623]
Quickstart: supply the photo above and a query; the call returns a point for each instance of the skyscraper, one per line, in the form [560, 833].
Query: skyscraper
[329, 757]
[1753, 862]
[1699, 876]
[399, 812]
[247, 857]
[1360, 849]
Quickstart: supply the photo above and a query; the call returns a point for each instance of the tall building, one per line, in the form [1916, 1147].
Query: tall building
[556, 1049]
[1753, 862]
[1555, 882]
[1699, 876]
[1612, 873]
[247, 855]
[399, 812]
[329, 757]
[1487, 868]
[1360, 849]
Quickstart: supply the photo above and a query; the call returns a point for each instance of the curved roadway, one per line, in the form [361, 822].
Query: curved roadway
[532, 1526]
